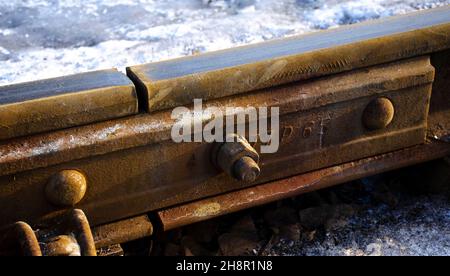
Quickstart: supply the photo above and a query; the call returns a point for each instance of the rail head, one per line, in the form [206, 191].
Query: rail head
[213, 75]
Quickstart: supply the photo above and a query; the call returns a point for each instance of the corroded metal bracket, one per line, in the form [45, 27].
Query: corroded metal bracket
[69, 234]
[244, 69]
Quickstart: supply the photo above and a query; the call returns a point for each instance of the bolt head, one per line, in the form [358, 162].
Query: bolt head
[66, 188]
[378, 114]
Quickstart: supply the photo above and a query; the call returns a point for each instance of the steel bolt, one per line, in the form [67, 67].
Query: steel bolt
[378, 114]
[238, 158]
[246, 169]
[66, 188]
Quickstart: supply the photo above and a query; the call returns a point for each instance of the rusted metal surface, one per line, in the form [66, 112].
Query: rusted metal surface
[26, 238]
[19, 239]
[135, 167]
[224, 73]
[62, 239]
[438, 146]
[378, 114]
[246, 198]
[237, 158]
[246, 169]
[57, 147]
[344, 94]
[122, 231]
[79, 224]
[58, 103]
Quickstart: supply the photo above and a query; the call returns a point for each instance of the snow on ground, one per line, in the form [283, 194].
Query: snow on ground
[419, 226]
[48, 38]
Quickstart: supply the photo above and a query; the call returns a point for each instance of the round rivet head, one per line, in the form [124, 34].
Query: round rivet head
[378, 114]
[66, 188]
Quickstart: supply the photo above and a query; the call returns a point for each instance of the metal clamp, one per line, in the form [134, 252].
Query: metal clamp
[68, 235]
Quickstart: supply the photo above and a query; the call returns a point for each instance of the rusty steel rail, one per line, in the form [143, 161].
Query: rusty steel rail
[239, 70]
[354, 101]
[122, 168]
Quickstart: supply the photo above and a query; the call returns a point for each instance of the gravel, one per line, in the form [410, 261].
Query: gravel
[419, 225]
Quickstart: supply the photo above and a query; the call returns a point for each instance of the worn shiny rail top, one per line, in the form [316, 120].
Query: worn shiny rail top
[58, 103]
[63, 85]
[296, 45]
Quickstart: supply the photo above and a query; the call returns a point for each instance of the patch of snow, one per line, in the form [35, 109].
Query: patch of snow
[347, 13]
[42, 39]
[4, 51]
[6, 32]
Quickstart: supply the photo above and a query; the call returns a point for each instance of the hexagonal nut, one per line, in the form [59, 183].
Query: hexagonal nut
[66, 188]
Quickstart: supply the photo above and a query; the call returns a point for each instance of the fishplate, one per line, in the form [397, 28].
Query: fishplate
[234, 71]
[131, 165]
